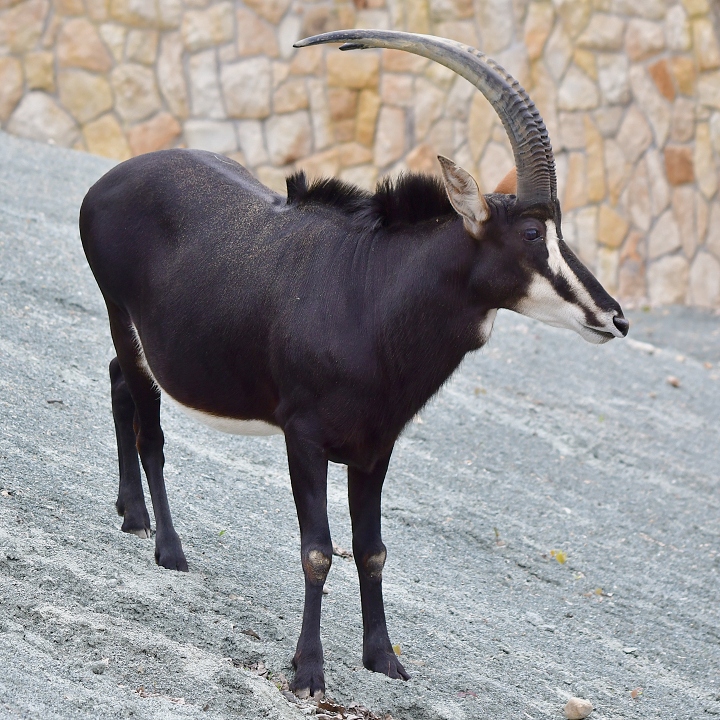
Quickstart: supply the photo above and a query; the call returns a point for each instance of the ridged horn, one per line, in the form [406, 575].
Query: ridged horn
[536, 180]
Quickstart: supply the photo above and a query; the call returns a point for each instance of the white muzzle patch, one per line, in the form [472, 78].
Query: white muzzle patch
[543, 302]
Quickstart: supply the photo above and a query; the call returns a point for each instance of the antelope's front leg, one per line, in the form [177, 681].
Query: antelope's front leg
[308, 476]
[364, 491]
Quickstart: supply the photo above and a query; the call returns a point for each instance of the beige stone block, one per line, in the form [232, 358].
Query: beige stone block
[170, 74]
[705, 44]
[320, 114]
[696, 7]
[572, 131]
[216, 136]
[538, 24]
[704, 281]
[586, 235]
[156, 134]
[683, 70]
[280, 71]
[636, 197]
[79, 45]
[617, 169]
[141, 46]
[595, 162]
[667, 280]
[252, 141]
[254, 35]
[449, 9]
[68, 7]
[169, 14]
[677, 30]
[612, 227]
[353, 70]
[702, 213]
[289, 137]
[205, 96]
[649, 9]
[324, 164]
[659, 188]
[308, 61]
[665, 236]
[679, 164]
[713, 233]
[643, 38]
[708, 89]
[607, 119]
[403, 62]
[608, 261]
[574, 14]
[364, 176]
[544, 95]
[604, 32]
[558, 52]
[247, 87]
[274, 178]
[654, 106]
[114, 35]
[423, 159]
[11, 85]
[353, 153]
[661, 76]
[290, 96]
[288, 32]
[577, 91]
[204, 28]
[576, 185]
[714, 125]
[105, 137]
[136, 95]
[39, 72]
[49, 37]
[98, 10]
[683, 209]
[134, 12]
[85, 95]
[342, 103]
[462, 31]
[39, 117]
[390, 140]
[417, 16]
[397, 89]
[497, 23]
[632, 286]
[271, 10]
[366, 120]
[585, 60]
[427, 107]
[344, 131]
[228, 53]
[496, 163]
[613, 78]
[22, 26]
[317, 19]
[442, 138]
[705, 170]
[635, 135]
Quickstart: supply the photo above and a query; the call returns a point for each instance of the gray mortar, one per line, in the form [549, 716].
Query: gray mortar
[540, 442]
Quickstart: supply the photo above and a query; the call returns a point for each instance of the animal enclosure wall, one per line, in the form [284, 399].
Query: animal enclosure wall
[629, 89]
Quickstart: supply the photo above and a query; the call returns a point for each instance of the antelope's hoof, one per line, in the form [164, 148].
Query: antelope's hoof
[385, 662]
[169, 554]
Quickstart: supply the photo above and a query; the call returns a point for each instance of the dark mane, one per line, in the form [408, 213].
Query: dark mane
[410, 199]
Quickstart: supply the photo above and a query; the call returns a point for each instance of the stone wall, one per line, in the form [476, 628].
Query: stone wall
[629, 89]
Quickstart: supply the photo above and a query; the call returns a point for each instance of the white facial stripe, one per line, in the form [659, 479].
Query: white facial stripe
[217, 422]
[486, 325]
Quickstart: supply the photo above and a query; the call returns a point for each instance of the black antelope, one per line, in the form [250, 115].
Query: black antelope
[331, 315]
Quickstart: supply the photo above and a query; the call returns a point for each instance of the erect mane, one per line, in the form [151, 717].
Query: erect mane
[410, 199]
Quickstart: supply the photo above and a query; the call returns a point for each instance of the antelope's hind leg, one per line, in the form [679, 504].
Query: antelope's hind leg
[130, 503]
[149, 441]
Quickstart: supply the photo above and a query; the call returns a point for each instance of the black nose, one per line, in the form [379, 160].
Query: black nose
[621, 324]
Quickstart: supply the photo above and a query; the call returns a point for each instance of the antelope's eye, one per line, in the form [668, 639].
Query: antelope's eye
[531, 234]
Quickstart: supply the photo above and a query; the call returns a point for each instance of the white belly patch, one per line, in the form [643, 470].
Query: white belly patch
[223, 424]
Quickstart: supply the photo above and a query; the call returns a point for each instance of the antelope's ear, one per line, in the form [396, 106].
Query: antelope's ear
[508, 185]
[465, 196]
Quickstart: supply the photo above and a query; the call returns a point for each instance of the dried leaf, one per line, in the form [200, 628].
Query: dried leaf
[559, 555]
[635, 693]
[397, 649]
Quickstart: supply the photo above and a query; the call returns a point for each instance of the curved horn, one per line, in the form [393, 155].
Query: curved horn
[531, 147]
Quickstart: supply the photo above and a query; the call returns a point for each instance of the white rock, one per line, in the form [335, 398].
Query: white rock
[289, 137]
[247, 87]
[577, 708]
[205, 98]
[38, 117]
[213, 135]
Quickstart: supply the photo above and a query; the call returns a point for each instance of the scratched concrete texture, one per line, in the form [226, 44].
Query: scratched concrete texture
[542, 448]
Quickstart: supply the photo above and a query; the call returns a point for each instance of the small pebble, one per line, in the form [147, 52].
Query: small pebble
[672, 380]
[100, 666]
[577, 708]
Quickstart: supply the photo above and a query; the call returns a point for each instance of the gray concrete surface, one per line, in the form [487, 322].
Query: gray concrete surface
[540, 443]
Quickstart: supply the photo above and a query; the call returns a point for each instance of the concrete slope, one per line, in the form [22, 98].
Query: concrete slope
[542, 448]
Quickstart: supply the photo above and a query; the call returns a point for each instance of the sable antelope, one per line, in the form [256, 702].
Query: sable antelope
[331, 316]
